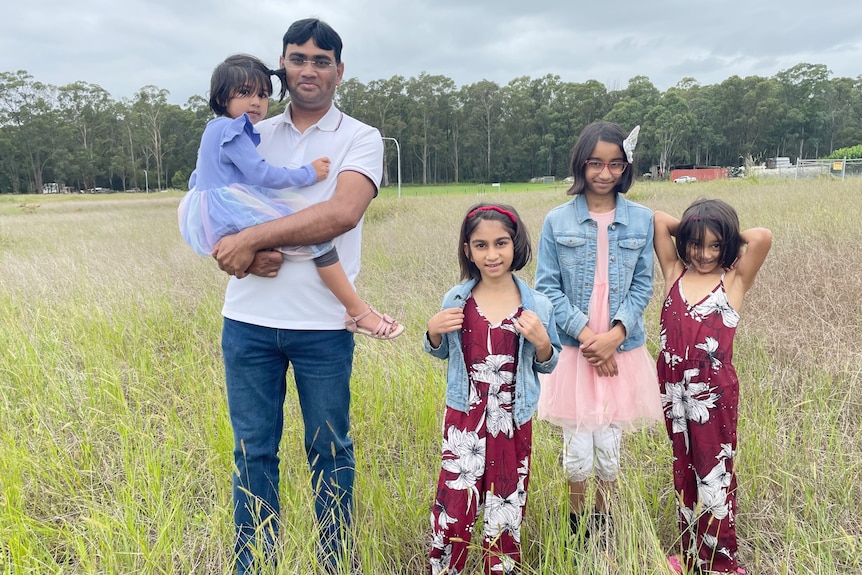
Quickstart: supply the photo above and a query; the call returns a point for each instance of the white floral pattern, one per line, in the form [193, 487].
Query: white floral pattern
[485, 462]
[502, 514]
[686, 401]
[700, 394]
[710, 346]
[716, 302]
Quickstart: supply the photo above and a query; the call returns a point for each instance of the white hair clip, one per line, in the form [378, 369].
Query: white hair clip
[630, 142]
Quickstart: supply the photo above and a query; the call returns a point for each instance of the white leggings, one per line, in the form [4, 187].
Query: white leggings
[584, 450]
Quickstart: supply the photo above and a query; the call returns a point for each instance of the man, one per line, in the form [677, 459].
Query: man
[282, 314]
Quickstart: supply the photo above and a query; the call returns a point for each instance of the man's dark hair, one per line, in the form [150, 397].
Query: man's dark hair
[324, 36]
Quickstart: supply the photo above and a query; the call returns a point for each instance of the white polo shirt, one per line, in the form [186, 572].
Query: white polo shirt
[297, 297]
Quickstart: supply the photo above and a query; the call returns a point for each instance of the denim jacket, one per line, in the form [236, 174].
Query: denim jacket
[526, 378]
[566, 264]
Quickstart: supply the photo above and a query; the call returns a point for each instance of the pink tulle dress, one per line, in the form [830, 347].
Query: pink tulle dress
[574, 396]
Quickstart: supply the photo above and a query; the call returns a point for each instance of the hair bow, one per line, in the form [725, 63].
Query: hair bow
[630, 142]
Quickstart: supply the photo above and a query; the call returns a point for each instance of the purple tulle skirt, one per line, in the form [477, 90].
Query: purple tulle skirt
[205, 216]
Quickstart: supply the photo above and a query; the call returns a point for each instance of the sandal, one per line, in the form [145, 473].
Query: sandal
[675, 564]
[387, 328]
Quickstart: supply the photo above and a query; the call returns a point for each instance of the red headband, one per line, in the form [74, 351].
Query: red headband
[506, 213]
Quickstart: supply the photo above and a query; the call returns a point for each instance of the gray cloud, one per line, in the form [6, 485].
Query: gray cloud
[123, 46]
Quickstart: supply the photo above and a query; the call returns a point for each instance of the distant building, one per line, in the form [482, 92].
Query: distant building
[778, 163]
[701, 173]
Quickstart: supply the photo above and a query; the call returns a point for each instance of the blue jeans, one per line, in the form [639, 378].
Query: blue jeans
[256, 361]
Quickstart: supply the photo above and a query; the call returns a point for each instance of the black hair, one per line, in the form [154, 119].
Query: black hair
[512, 222]
[325, 37]
[716, 216]
[236, 73]
[583, 149]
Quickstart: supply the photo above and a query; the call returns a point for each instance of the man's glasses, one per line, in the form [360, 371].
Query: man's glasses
[615, 167]
[297, 63]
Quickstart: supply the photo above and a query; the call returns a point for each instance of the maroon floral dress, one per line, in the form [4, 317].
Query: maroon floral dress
[700, 396]
[486, 458]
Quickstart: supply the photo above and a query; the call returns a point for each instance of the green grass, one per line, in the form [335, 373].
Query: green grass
[115, 446]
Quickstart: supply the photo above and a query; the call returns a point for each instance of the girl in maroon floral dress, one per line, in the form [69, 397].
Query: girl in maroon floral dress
[707, 272]
[497, 334]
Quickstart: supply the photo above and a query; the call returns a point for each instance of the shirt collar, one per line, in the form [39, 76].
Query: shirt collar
[330, 122]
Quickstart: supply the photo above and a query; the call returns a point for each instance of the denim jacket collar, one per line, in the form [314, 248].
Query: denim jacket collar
[463, 292]
[621, 213]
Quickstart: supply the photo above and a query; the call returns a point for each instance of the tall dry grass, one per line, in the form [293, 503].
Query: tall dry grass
[115, 447]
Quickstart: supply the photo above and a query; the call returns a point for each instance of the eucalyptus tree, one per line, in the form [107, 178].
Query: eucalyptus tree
[628, 113]
[587, 102]
[181, 137]
[704, 141]
[669, 122]
[805, 89]
[767, 117]
[387, 111]
[455, 128]
[147, 118]
[429, 97]
[733, 118]
[484, 103]
[352, 98]
[89, 110]
[10, 166]
[521, 154]
[630, 108]
[29, 118]
[844, 111]
[642, 90]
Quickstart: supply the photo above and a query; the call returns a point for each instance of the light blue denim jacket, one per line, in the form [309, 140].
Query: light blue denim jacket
[526, 378]
[565, 267]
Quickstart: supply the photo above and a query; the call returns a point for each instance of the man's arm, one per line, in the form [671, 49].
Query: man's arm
[318, 223]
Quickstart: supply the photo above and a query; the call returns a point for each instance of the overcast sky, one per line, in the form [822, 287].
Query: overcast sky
[123, 45]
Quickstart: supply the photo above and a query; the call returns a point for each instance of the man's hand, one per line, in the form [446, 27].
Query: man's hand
[234, 255]
[266, 264]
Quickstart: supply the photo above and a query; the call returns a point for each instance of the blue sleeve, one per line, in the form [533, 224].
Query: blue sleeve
[546, 314]
[242, 153]
[549, 281]
[441, 352]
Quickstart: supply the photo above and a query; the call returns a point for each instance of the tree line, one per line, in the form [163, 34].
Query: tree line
[80, 137]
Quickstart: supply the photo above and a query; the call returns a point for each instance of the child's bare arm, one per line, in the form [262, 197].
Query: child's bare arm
[665, 247]
[321, 168]
[756, 245]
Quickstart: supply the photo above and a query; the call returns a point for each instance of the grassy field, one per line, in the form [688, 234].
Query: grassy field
[115, 446]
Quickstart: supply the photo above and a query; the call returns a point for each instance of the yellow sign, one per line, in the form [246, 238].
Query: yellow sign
[837, 166]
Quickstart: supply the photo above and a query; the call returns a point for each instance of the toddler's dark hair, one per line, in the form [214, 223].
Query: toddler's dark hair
[238, 72]
[512, 222]
[718, 217]
[583, 149]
